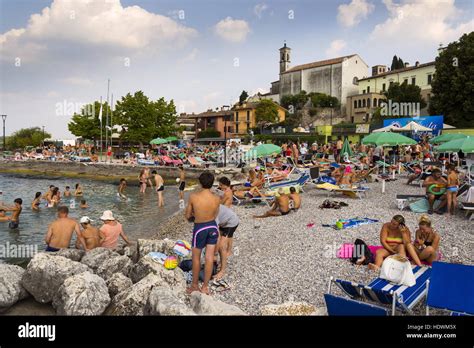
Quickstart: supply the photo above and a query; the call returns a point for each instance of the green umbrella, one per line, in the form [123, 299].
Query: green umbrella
[346, 150]
[387, 139]
[465, 145]
[158, 141]
[263, 150]
[444, 138]
[172, 138]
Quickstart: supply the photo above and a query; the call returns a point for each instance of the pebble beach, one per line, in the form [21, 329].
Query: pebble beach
[283, 259]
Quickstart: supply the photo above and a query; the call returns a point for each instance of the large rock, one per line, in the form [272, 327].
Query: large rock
[290, 308]
[115, 264]
[72, 254]
[131, 251]
[146, 246]
[164, 301]
[205, 305]
[97, 256]
[132, 300]
[147, 265]
[117, 283]
[82, 294]
[46, 273]
[11, 289]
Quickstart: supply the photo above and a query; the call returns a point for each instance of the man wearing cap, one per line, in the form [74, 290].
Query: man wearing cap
[89, 233]
[60, 232]
[110, 231]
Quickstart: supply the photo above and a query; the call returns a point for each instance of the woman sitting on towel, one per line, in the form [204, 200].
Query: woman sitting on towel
[393, 236]
[425, 247]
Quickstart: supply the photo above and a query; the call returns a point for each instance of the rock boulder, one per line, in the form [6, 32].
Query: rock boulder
[164, 301]
[117, 283]
[206, 305]
[11, 289]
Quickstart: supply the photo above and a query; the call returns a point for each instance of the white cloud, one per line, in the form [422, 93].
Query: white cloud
[412, 22]
[78, 81]
[191, 56]
[351, 14]
[335, 48]
[233, 30]
[259, 9]
[92, 23]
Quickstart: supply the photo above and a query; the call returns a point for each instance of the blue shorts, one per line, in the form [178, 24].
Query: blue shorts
[453, 189]
[53, 249]
[205, 233]
[13, 225]
[247, 184]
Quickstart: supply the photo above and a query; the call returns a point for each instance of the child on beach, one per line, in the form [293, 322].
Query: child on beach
[452, 189]
[224, 186]
[121, 189]
[3, 216]
[83, 204]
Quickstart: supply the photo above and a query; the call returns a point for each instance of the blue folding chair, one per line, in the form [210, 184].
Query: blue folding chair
[451, 288]
[383, 292]
[340, 306]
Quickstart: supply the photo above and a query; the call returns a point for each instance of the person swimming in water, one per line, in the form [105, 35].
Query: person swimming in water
[78, 192]
[16, 211]
[83, 204]
[36, 201]
[67, 192]
[121, 189]
[160, 186]
[143, 177]
[3, 216]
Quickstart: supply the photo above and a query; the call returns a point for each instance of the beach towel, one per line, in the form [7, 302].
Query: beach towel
[158, 257]
[343, 224]
[327, 179]
[422, 206]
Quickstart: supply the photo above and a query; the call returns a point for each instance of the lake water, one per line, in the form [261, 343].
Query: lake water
[140, 216]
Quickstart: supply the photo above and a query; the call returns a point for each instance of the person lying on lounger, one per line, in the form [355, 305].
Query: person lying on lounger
[276, 175]
[281, 206]
[393, 236]
[426, 244]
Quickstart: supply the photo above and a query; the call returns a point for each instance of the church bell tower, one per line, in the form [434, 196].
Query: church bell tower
[284, 58]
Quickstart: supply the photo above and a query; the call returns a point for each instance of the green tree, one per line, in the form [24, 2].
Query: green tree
[87, 123]
[394, 64]
[145, 119]
[294, 102]
[323, 100]
[405, 93]
[266, 112]
[26, 137]
[453, 83]
[243, 97]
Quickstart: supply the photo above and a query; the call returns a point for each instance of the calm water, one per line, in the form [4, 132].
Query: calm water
[140, 217]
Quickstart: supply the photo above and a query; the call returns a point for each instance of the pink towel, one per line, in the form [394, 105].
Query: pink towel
[345, 251]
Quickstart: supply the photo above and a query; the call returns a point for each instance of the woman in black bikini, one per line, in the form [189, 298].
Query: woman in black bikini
[425, 247]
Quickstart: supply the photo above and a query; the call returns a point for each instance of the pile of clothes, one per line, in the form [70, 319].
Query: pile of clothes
[328, 204]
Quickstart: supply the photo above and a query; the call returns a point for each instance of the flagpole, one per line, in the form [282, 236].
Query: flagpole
[107, 120]
[100, 120]
[111, 126]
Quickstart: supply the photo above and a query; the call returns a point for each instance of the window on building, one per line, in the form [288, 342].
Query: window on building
[363, 92]
[375, 103]
[405, 81]
[383, 87]
[355, 104]
[368, 102]
[413, 80]
[390, 84]
[236, 127]
[368, 89]
[363, 103]
[248, 115]
[429, 78]
[359, 103]
[237, 116]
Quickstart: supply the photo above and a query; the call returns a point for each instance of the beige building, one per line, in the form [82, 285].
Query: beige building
[244, 117]
[187, 125]
[361, 106]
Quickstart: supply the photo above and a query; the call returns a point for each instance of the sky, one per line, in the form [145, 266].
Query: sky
[57, 55]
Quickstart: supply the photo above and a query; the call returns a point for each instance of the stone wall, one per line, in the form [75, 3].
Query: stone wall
[322, 117]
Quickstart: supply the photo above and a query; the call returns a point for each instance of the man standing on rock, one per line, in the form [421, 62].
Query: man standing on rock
[60, 232]
[203, 208]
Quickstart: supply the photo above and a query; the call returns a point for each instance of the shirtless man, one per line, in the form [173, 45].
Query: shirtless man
[67, 192]
[60, 232]
[203, 208]
[280, 207]
[160, 186]
[182, 182]
[16, 211]
[89, 233]
[435, 179]
[47, 196]
[295, 198]
[224, 186]
[121, 189]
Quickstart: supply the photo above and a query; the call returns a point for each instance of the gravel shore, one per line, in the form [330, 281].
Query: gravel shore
[280, 259]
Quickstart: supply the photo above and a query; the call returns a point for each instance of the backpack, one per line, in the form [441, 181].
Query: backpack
[361, 249]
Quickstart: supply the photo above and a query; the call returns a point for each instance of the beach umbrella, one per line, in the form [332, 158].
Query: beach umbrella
[444, 138]
[465, 145]
[388, 128]
[413, 127]
[346, 150]
[172, 138]
[387, 139]
[263, 150]
[158, 141]
[447, 126]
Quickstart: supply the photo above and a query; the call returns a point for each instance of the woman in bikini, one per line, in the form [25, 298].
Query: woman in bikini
[143, 177]
[393, 236]
[36, 202]
[78, 192]
[425, 247]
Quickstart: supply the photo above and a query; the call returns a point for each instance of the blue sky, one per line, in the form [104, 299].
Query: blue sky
[200, 53]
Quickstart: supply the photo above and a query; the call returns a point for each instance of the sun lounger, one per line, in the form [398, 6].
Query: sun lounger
[301, 181]
[144, 162]
[194, 162]
[403, 199]
[383, 292]
[353, 192]
[469, 208]
[254, 199]
[451, 288]
[340, 306]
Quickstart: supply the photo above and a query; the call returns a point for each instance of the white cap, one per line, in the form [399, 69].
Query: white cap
[85, 220]
[107, 216]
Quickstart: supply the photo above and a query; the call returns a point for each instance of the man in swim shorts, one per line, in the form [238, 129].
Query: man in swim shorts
[60, 232]
[182, 182]
[203, 207]
[280, 207]
[436, 180]
[160, 186]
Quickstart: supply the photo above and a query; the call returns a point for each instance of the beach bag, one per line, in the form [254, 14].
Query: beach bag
[397, 269]
[361, 249]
